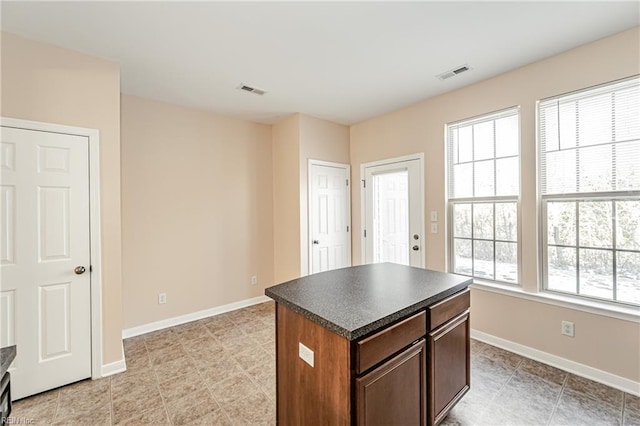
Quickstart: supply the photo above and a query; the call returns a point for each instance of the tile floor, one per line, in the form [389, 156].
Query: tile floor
[220, 371]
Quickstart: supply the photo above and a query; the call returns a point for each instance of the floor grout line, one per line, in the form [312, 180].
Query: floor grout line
[555, 406]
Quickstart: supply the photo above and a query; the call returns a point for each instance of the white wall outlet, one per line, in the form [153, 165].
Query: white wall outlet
[305, 353]
[162, 298]
[568, 328]
[434, 216]
[254, 280]
[434, 228]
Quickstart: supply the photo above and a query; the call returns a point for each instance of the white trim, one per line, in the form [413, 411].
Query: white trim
[170, 322]
[93, 136]
[347, 168]
[573, 367]
[584, 305]
[417, 156]
[115, 367]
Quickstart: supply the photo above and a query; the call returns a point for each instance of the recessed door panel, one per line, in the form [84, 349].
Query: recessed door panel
[7, 318]
[8, 225]
[53, 223]
[53, 159]
[7, 156]
[55, 306]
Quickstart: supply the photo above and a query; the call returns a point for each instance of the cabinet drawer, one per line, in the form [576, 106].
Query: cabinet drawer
[443, 311]
[379, 346]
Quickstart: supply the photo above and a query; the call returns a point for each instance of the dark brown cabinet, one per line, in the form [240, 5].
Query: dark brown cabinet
[395, 392]
[448, 374]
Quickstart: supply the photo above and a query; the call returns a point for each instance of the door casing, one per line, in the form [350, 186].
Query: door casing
[418, 156]
[93, 137]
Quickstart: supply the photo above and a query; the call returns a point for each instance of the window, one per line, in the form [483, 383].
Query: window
[589, 175]
[484, 184]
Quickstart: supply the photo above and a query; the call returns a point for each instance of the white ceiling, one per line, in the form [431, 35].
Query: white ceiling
[344, 62]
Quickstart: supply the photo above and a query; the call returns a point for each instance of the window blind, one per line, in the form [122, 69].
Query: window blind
[589, 141]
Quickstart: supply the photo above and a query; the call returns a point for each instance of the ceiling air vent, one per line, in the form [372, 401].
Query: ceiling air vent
[252, 89]
[453, 72]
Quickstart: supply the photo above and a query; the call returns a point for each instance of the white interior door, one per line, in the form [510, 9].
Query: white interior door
[329, 217]
[393, 214]
[44, 293]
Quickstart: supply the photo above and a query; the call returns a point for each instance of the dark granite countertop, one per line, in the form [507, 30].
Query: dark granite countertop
[7, 356]
[358, 300]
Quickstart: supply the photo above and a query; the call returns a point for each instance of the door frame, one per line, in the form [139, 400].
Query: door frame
[347, 168]
[363, 205]
[95, 235]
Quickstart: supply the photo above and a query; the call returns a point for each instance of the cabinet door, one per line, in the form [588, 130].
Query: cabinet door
[449, 368]
[395, 392]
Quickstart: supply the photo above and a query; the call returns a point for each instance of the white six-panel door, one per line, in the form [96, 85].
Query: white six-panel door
[44, 220]
[329, 217]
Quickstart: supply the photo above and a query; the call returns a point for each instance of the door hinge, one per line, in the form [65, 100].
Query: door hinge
[347, 229]
[364, 183]
[347, 182]
[365, 233]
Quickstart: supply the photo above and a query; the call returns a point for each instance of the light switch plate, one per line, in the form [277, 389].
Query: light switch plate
[305, 353]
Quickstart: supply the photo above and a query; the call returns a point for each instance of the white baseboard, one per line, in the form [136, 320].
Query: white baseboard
[573, 367]
[114, 367]
[170, 322]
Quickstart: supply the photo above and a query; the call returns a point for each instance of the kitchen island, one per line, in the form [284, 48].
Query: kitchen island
[371, 344]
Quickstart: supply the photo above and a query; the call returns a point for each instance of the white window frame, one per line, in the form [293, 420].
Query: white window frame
[543, 199]
[452, 201]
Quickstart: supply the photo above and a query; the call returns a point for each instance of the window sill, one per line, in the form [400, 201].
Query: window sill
[594, 307]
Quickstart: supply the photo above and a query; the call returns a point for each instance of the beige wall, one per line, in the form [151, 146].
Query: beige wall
[297, 139]
[196, 210]
[45, 83]
[286, 199]
[420, 128]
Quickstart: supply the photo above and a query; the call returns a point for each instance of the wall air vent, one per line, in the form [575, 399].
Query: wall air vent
[452, 73]
[251, 89]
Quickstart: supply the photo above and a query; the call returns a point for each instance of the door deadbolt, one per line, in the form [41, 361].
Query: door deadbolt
[79, 270]
[416, 236]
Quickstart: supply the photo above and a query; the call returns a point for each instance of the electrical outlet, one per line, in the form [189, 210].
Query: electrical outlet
[162, 298]
[434, 216]
[434, 228]
[568, 328]
[254, 280]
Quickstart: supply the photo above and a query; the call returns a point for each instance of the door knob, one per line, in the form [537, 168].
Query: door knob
[316, 242]
[415, 248]
[416, 236]
[79, 270]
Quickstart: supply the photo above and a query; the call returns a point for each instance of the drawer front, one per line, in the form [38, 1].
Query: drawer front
[443, 311]
[378, 347]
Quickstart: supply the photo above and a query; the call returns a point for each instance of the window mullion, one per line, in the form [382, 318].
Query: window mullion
[494, 241]
[577, 247]
[614, 229]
